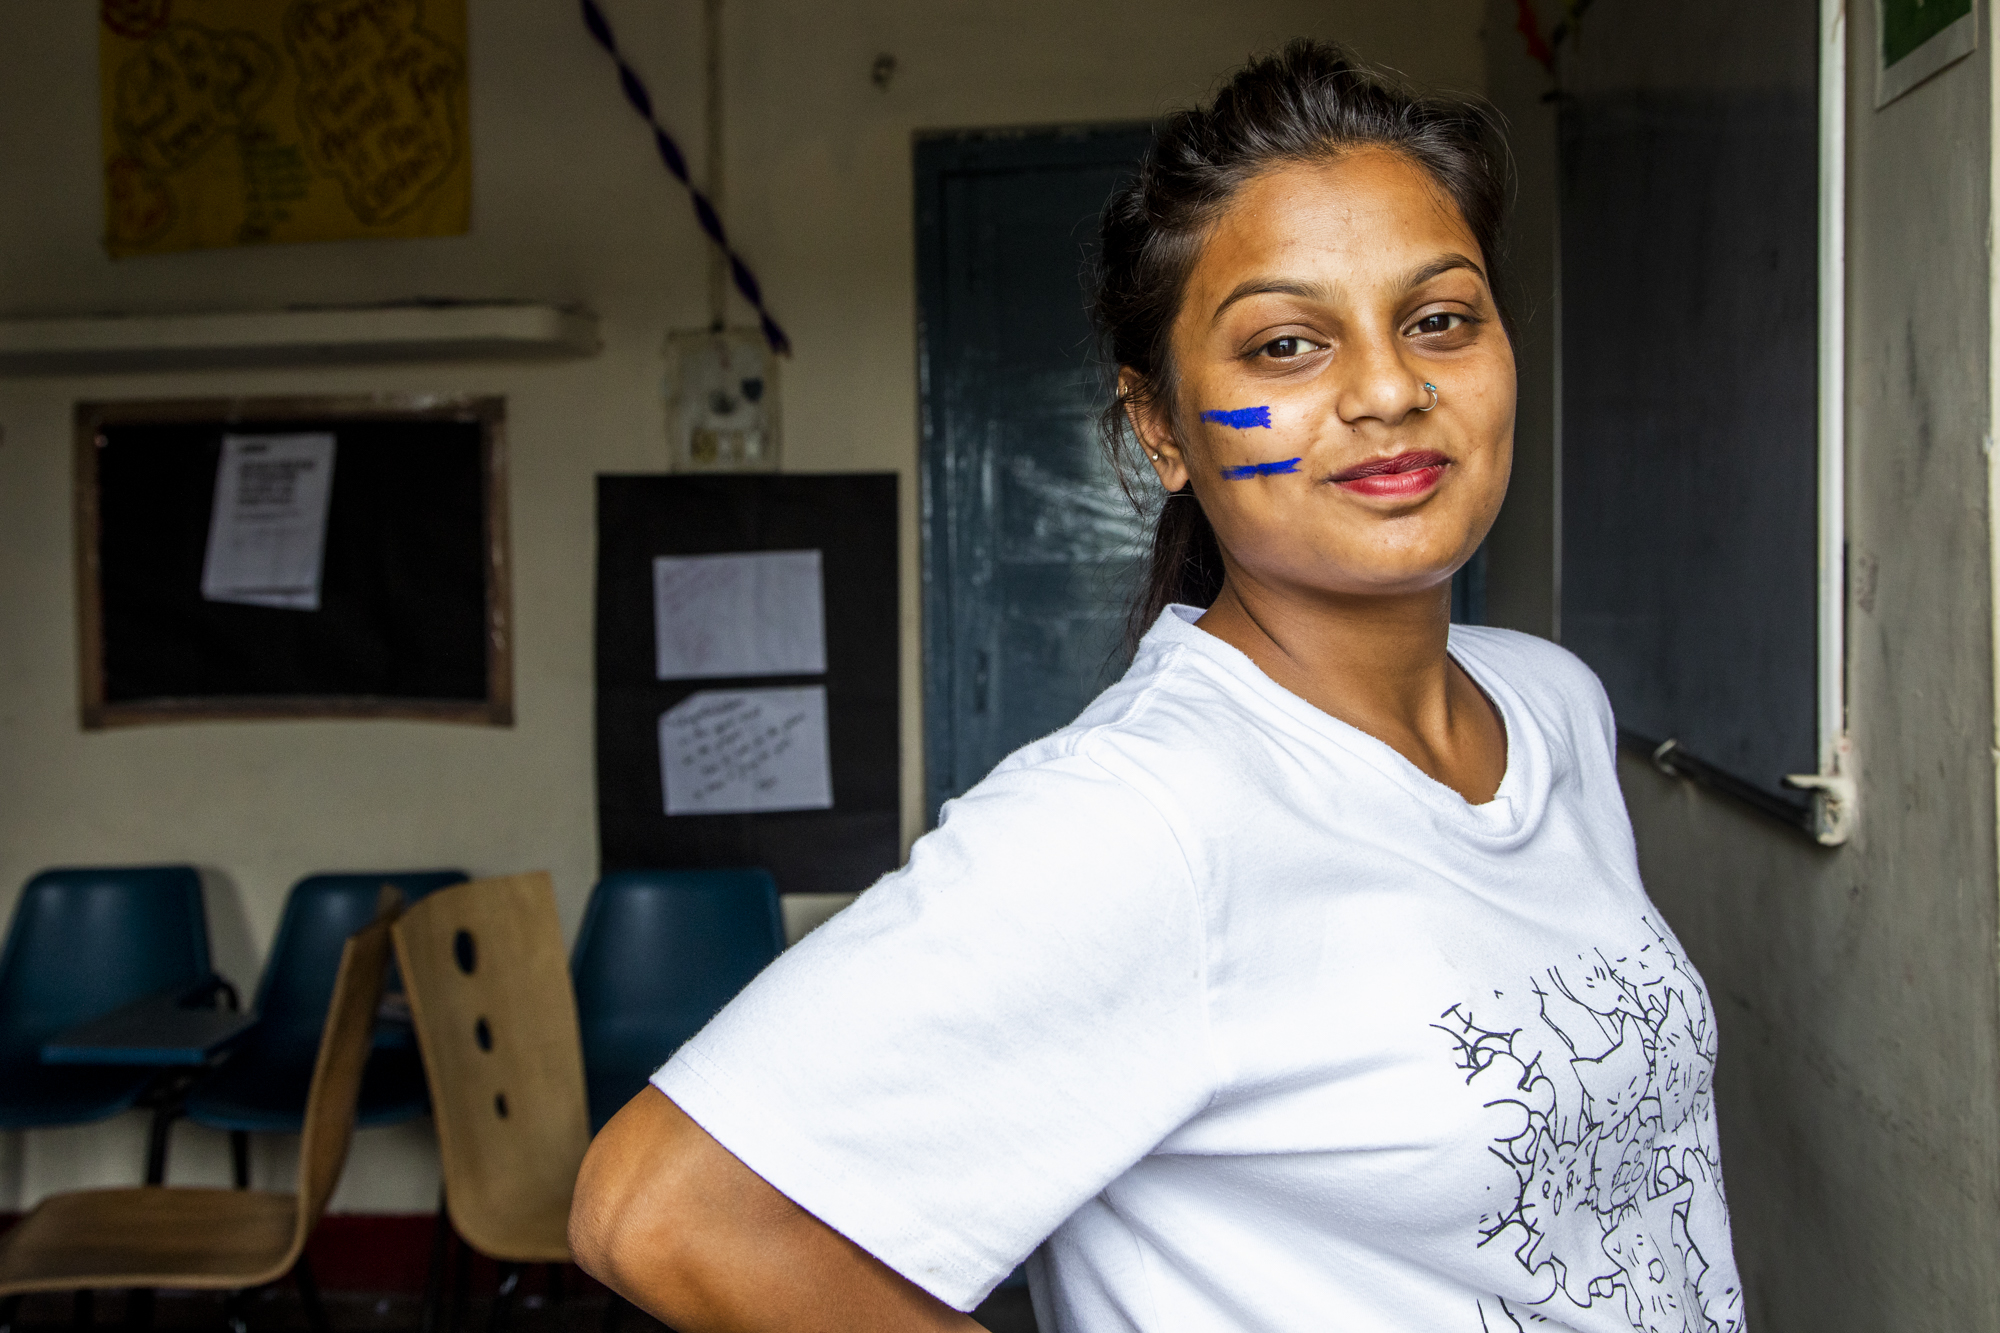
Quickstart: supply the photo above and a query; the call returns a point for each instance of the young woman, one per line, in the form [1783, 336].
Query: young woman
[1306, 981]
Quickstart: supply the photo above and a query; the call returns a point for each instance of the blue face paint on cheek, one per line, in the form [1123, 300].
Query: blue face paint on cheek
[1249, 470]
[1239, 418]
[1244, 418]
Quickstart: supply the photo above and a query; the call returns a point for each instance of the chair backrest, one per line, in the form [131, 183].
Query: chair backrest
[86, 941]
[322, 911]
[661, 951]
[344, 1043]
[496, 1021]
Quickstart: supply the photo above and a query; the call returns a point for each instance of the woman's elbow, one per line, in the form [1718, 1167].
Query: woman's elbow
[593, 1212]
[592, 1233]
[621, 1218]
[669, 1219]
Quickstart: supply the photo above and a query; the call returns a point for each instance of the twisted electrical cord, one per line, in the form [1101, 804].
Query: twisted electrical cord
[670, 153]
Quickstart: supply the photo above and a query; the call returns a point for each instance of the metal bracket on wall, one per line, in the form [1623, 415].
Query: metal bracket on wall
[1835, 797]
[1828, 820]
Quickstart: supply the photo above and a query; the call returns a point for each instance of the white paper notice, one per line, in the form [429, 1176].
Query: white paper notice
[758, 613]
[267, 534]
[726, 752]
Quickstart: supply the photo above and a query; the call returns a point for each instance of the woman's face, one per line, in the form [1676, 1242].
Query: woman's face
[1324, 300]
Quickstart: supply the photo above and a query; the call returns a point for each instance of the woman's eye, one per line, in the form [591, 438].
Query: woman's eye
[1283, 349]
[1442, 322]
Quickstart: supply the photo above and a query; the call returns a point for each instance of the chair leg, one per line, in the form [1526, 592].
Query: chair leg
[156, 1143]
[232, 1312]
[83, 1308]
[239, 1157]
[139, 1309]
[302, 1273]
[503, 1296]
[434, 1279]
[461, 1286]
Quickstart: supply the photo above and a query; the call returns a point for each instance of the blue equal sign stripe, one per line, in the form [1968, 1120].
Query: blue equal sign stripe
[1249, 470]
[1239, 418]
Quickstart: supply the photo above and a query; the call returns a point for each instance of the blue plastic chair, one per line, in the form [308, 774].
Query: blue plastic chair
[659, 953]
[262, 1087]
[82, 943]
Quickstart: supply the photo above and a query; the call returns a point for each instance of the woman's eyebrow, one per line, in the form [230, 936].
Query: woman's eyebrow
[1318, 291]
[1441, 265]
[1310, 291]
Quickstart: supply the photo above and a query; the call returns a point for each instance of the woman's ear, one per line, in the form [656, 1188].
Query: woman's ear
[1149, 419]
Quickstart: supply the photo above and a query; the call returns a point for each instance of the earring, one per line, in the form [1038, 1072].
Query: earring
[1156, 458]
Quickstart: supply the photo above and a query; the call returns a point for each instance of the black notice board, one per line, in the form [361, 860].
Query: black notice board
[1690, 448]
[412, 611]
[850, 518]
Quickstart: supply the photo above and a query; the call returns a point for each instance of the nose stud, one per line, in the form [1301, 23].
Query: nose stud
[1434, 396]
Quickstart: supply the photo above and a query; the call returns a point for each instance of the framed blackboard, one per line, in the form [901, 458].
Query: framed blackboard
[407, 615]
[850, 520]
[1701, 440]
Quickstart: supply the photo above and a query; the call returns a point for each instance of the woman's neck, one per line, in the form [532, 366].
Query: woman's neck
[1379, 664]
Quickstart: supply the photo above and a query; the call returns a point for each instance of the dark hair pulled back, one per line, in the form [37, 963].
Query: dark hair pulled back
[1309, 103]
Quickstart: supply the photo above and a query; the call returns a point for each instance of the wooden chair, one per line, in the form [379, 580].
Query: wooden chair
[495, 1016]
[216, 1239]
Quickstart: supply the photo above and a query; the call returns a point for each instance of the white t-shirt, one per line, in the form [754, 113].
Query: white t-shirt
[1238, 1021]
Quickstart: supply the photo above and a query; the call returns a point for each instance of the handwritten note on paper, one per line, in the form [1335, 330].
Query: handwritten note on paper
[267, 532]
[725, 752]
[236, 122]
[756, 613]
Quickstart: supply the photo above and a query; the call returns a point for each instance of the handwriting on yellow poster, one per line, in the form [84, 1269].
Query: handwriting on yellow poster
[235, 122]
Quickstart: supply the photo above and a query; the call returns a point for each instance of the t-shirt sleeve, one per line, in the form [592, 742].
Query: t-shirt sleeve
[988, 1037]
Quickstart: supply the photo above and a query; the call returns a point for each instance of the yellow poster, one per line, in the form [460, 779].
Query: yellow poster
[235, 122]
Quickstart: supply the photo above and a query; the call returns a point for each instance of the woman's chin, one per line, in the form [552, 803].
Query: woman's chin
[1350, 584]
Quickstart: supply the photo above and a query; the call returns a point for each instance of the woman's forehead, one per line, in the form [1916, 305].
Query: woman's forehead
[1370, 215]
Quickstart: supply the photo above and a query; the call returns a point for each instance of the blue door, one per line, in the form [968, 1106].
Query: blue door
[1032, 552]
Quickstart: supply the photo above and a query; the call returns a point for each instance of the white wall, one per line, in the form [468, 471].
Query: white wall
[569, 205]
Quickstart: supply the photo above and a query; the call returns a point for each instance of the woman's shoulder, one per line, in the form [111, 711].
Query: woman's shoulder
[1556, 685]
[1064, 813]
[1166, 703]
[1527, 662]
[1178, 753]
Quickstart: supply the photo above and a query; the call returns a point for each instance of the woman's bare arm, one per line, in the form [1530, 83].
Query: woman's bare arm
[668, 1219]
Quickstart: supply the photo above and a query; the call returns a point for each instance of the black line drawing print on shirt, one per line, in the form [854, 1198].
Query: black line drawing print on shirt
[1602, 1104]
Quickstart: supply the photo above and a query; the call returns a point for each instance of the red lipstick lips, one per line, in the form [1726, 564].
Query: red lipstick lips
[1403, 477]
